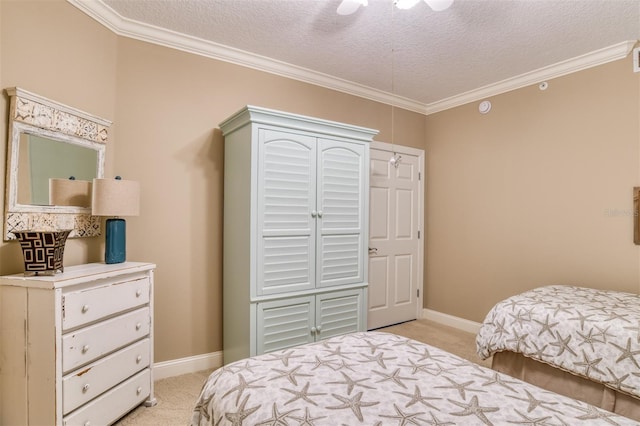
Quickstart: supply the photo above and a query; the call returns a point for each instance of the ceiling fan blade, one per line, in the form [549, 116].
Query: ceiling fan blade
[347, 7]
[438, 5]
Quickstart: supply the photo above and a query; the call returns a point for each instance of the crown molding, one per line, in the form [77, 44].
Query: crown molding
[592, 59]
[121, 26]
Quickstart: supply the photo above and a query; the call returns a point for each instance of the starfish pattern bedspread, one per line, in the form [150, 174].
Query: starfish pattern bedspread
[375, 378]
[590, 333]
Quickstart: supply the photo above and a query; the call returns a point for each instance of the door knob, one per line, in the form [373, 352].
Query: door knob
[373, 250]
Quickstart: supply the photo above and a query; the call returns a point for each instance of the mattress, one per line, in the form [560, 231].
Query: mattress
[376, 378]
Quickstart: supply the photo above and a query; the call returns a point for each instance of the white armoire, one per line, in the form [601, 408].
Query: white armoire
[295, 230]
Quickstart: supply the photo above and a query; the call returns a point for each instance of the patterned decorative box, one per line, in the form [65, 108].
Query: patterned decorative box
[43, 251]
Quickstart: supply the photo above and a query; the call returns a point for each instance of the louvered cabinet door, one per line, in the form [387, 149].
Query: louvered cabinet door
[290, 322]
[339, 312]
[286, 200]
[284, 323]
[341, 209]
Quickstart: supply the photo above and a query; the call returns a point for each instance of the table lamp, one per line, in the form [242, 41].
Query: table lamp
[69, 192]
[115, 198]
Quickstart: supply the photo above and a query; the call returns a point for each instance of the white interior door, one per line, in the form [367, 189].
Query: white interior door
[395, 240]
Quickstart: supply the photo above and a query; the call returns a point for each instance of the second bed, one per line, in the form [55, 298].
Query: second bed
[576, 341]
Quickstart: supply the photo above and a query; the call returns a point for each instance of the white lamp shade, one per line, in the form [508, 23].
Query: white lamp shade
[115, 197]
[68, 192]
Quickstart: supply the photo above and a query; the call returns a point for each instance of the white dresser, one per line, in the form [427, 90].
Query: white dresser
[76, 348]
[295, 230]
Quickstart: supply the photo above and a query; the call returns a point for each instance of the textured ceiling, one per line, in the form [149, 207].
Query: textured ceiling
[418, 54]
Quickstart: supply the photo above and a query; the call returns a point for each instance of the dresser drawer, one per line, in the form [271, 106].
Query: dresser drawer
[83, 307]
[112, 405]
[82, 346]
[87, 383]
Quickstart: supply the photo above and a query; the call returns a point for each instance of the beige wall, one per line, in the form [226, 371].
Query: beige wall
[166, 106]
[539, 191]
[52, 49]
[515, 199]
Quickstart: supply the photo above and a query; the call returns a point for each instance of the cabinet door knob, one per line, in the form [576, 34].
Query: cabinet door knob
[138, 359]
[313, 330]
[85, 388]
[314, 213]
[85, 308]
[138, 293]
[139, 390]
[320, 213]
[319, 328]
[138, 325]
[85, 349]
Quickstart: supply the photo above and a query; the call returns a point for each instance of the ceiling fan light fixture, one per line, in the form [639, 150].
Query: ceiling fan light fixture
[439, 5]
[347, 7]
[405, 4]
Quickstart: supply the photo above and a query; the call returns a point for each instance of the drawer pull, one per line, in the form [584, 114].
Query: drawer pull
[85, 308]
[138, 293]
[87, 423]
[138, 326]
[85, 388]
[139, 390]
[138, 359]
[85, 349]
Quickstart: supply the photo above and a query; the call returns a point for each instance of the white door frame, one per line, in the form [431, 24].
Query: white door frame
[384, 146]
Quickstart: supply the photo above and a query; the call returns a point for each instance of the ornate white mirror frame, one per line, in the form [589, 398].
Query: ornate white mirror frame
[50, 123]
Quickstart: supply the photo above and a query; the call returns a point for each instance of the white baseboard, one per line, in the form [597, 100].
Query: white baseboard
[176, 367]
[451, 321]
[192, 364]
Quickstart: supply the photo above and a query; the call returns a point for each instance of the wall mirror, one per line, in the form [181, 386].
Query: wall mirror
[50, 142]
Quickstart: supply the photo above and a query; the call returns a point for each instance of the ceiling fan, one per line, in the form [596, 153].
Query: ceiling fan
[347, 7]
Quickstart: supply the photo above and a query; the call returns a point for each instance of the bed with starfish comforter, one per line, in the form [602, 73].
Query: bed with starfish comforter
[580, 342]
[376, 378]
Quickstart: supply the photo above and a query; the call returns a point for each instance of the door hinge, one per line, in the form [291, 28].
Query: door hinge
[418, 234]
[419, 176]
[418, 291]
